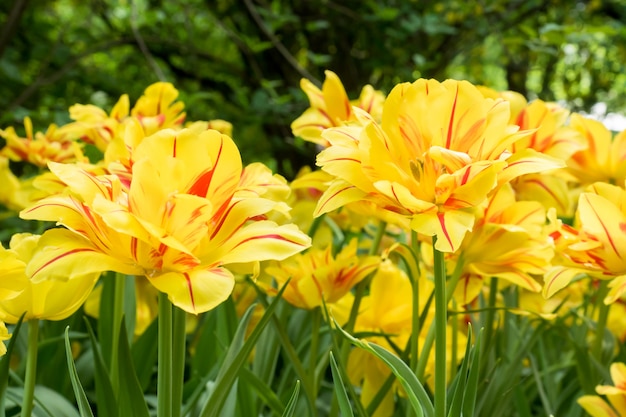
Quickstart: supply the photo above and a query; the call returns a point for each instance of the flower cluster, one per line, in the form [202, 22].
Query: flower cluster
[428, 207]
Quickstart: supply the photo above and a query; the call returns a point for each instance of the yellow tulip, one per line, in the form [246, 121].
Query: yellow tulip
[507, 242]
[616, 394]
[440, 150]
[182, 217]
[596, 245]
[43, 298]
[317, 276]
[331, 106]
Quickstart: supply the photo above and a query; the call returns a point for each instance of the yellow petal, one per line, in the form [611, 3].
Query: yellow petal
[557, 278]
[338, 195]
[196, 291]
[596, 406]
[450, 227]
[64, 254]
[264, 240]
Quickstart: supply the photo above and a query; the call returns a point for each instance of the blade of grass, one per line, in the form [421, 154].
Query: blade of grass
[131, 399]
[5, 366]
[458, 385]
[79, 392]
[290, 408]
[105, 398]
[340, 389]
[236, 356]
[418, 398]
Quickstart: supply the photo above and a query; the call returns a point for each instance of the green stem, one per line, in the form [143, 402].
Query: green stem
[164, 369]
[360, 287]
[490, 312]
[603, 314]
[315, 333]
[416, 325]
[441, 318]
[31, 368]
[420, 370]
[178, 359]
[315, 225]
[119, 284]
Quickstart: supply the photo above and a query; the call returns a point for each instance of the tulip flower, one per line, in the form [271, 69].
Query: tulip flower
[316, 276]
[331, 106]
[44, 298]
[56, 145]
[179, 221]
[507, 242]
[440, 150]
[616, 394]
[595, 245]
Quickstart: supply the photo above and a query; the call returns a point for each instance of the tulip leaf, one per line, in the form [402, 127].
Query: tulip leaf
[131, 398]
[290, 408]
[340, 389]
[268, 396]
[417, 395]
[79, 393]
[144, 351]
[458, 385]
[106, 402]
[236, 357]
[5, 363]
[471, 390]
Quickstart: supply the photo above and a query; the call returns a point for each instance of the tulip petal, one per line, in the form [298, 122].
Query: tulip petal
[198, 290]
[557, 278]
[264, 240]
[338, 195]
[449, 227]
[64, 254]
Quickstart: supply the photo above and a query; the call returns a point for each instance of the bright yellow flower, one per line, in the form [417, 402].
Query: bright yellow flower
[331, 106]
[158, 109]
[42, 298]
[596, 246]
[604, 157]
[182, 218]
[317, 276]
[93, 125]
[55, 145]
[507, 242]
[616, 394]
[10, 186]
[441, 149]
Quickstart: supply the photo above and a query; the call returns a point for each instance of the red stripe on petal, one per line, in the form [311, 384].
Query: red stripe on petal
[190, 287]
[451, 124]
[442, 222]
[56, 258]
[606, 231]
[200, 186]
[270, 236]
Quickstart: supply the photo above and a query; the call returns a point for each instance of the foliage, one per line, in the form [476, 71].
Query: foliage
[242, 60]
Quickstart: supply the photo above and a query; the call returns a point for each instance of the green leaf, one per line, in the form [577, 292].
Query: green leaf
[144, 352]
[264, 391]
[131, 399]
[458, 385]
[105, 399]
[418, 398]
[340, 389]
[5, 363]
[471, 389]
[236, 357]
[81, 398]
[291, 405]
